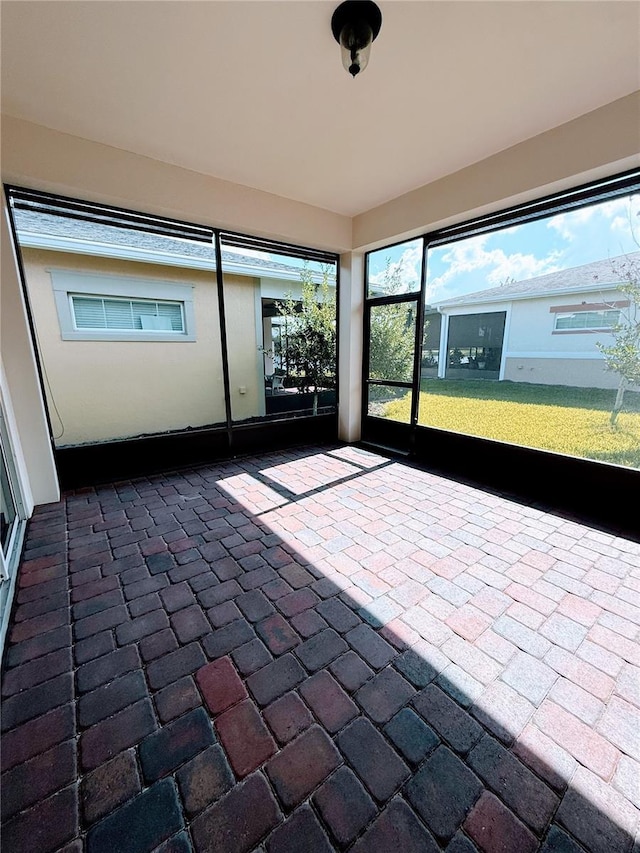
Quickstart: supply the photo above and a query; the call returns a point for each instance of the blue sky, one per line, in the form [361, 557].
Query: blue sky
[519, 252]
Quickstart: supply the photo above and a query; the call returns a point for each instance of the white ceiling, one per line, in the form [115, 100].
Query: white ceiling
[255, 92]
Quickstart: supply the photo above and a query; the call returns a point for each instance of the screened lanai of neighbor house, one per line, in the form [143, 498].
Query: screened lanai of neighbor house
[320, 427]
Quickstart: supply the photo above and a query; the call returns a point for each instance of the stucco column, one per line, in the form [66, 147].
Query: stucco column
[350, 345]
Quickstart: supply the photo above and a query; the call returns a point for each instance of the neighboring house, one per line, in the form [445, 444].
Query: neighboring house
[128, 327]
[543, 330]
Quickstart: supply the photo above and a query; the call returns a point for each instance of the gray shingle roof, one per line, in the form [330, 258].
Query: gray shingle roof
[45, 224]
[599, 274]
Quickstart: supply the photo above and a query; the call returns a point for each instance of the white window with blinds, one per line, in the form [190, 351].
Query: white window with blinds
[587, 320]
[97, 307]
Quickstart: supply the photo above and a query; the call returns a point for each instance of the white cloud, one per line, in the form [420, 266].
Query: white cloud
[619, 214]
[489, 267]
[407, 266]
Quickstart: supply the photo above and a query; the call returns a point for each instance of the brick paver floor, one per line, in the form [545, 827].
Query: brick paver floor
[319, 650]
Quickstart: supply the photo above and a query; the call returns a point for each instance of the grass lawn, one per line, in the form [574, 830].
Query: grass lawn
[552, 417]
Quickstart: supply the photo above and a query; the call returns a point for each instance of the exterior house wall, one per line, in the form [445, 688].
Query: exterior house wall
[534, 353]
[102, 390]
[244, 321]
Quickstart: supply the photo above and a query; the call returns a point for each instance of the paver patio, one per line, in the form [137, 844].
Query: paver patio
[319, 650]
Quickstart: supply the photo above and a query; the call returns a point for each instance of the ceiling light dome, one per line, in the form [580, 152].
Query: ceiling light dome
[355, 25]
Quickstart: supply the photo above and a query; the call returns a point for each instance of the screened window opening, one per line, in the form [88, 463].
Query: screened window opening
[103, 313]
[530, 326]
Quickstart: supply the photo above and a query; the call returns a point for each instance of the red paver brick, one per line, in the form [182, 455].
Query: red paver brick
[36, 671]
[275, 679]
[94, 588]
[150, 818]
[221, 685]
[238, 821]
[579, 609]
[620, 724]
[172, 745]
[105, 701]
[277, 634]
[321, 649]
[447, 718]
[308, 623]
[37, 736]
[397, 829]
[344, 805]
[611, 640]
[589, 747]
[530, 799]
[580, 672]
[39, 625]
[158, 645]
[109, 786]
[190, 623]
[176, 699]
[448, 567]
[38, 778]
[204, 779]
[302, 824]
[544, 757]
[600, 818]
[302, 765]
[245, 737]
[497, 830]
[163, 670]
[384, 695]
[46, 826]
[577, 701]
[376, 763]
[254, 605]
[106, 739]
[37, 646]
[287, 717]
[296, 602]
[328, 701]
[443, 791]
[468, 622]
[370, 645]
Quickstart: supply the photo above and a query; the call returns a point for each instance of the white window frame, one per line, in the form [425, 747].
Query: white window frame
[68, 283]
[575, 329]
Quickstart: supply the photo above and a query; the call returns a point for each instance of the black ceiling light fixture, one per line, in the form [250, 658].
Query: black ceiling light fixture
[355, 25]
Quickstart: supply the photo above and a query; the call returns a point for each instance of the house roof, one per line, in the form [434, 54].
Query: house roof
[595, 276]
[58, 233]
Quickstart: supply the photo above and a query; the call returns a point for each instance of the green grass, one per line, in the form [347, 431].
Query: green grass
[564, 419]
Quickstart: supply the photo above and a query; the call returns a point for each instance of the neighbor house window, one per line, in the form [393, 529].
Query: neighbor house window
[116, 308]
[95, 312]
[587, 320]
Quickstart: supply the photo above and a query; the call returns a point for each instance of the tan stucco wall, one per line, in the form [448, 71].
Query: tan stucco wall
[245, 362]
[579, 373]
[113, 389]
